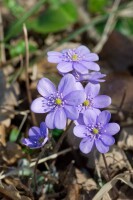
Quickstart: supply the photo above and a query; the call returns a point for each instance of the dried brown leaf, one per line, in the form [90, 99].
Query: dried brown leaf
[73, 192]
[117, 52]
[16, 182]
[11, 153]
[85, 181]
[108, 186]
[7, 105]
[80, 176]
[126, 138]
[2, 134]
[115, 161]
[12, 193]
[116, 85]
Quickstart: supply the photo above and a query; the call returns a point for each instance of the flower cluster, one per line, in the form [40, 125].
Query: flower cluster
[37, 136]
[71, 100]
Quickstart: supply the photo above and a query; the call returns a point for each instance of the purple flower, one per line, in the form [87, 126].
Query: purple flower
[93, 100]
[37, 137]
[79, 59]
[60, 103]
[96, 130]
[92, 77]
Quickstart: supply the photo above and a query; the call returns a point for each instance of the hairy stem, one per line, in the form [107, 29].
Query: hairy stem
[105, 162]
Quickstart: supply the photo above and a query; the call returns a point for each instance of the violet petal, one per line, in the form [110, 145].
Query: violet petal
[75, 97]
[67, 84]
[89, 117]
[86, 145]
[107, 139]
[80, 131]
[104, 117]
[111, 128]
[45, 87]
[92, 90]
[101, 101]
[60, 119]
[65, 67]
[102, 148]
[38, 105]
[50, 120]
[71, 112]
[80, 68]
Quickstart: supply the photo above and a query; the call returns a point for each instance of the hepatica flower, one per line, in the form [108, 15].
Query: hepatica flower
[37, 137]
[93, 100]
[92, 77]
[60, 103]
[79, 59]
[96, 131]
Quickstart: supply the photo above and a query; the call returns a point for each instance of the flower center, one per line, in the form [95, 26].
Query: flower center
[95, 131]
[58, 101]
[86, 103]
[74, 57]
[41, 139]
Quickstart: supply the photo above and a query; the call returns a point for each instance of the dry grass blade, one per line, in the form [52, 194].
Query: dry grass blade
[127, 11]
[108, 186]
[26, 72]
[108, 27]
[53, 156]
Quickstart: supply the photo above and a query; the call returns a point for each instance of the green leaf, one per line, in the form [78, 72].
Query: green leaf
[19, 48]
[54, 3]
[125, 26]
[18, 25]
[25, 171]
[14, 135]
[54, 19]
[57, 132]
[96, 6]
[14, 7]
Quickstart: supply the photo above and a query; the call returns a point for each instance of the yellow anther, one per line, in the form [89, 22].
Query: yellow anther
[74, 57]
[86, 103]
[95, 131]
[58, 101]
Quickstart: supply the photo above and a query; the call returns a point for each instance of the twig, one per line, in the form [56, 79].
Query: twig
[105, 162]
[35, 168]
[51, 157]
[2, 46]
[122, 102]
[26, 72]
[22, 123]
[15, 112]
[108, 27]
